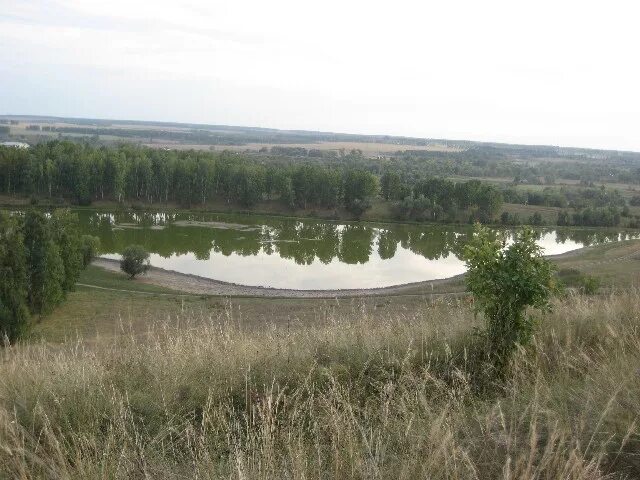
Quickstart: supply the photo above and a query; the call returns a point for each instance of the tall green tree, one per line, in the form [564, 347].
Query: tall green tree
[392, 186]
[65, 233]
[14, 311]
[44, 264]
[89, 247]
[53, 292]
[359, 186]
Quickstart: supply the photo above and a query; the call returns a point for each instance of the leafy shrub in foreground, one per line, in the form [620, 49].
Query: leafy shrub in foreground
[504, 283]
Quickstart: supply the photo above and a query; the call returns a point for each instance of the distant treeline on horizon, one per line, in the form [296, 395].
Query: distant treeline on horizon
[211, 134]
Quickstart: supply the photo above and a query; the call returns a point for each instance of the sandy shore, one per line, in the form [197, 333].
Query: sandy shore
[205, 286]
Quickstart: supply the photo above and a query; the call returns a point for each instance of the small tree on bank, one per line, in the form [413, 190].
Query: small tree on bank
[504, 283]
[135, 260]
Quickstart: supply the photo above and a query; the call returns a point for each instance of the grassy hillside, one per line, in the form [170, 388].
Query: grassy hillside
[113, 304]
[352, 396]
[106, 304]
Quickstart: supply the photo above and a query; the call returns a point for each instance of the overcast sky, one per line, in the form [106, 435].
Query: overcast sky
[559, 72]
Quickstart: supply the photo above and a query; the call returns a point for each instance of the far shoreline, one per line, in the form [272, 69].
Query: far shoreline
[312, 215]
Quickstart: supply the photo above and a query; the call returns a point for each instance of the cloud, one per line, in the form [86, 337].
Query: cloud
[535, 72]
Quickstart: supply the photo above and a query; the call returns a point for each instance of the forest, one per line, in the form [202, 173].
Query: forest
[536, 166]
[82, 173]
[65, 172]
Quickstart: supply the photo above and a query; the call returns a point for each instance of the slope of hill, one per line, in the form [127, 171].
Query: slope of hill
[400, 397]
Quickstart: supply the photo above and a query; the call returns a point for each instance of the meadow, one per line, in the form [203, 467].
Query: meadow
[349, 396]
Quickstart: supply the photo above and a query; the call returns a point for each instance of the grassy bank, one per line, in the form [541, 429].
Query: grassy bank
[114, 304]
[381, 211]
[351, 396]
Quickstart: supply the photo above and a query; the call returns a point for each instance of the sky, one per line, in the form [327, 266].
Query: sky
[559, 72]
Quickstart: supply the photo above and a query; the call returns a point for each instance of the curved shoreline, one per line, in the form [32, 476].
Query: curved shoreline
[195, 284]
[189, 283]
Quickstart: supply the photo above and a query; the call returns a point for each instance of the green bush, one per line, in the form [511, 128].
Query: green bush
[135, 260]
[504, 282]
[535, 219]
[589, 285]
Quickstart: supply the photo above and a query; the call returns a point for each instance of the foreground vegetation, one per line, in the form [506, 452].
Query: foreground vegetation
[350, 396]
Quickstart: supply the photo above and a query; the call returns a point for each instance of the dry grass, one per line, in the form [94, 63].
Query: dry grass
[351, 397]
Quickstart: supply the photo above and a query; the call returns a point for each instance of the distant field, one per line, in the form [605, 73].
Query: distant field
[370, 149]
[626, 189]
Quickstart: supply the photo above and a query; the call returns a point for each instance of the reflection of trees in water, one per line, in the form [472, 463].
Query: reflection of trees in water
[301, 241]
[387, 244]
[304, 242]
[356, 244]
[591, 237]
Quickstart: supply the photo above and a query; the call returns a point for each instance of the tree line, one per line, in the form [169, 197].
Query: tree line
[83, 173]
[41, 257]
[576, 198]
[439, 199]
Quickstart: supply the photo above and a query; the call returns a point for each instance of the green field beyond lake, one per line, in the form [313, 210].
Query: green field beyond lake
[302, 254]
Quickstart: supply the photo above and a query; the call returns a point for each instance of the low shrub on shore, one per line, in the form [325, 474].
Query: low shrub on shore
[349, 397]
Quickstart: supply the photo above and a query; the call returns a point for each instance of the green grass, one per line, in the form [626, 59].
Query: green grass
[94, 313]
[105, 279]
[616, 265]
[549, 214]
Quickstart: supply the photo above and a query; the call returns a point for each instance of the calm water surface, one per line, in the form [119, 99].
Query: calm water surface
[302, 254]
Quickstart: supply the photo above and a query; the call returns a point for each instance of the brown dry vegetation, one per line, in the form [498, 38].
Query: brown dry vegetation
[351, 397]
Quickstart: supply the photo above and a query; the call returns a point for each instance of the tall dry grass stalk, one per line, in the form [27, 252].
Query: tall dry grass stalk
[348, 398]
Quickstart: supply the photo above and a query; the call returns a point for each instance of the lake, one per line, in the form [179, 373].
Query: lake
[302, 254]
